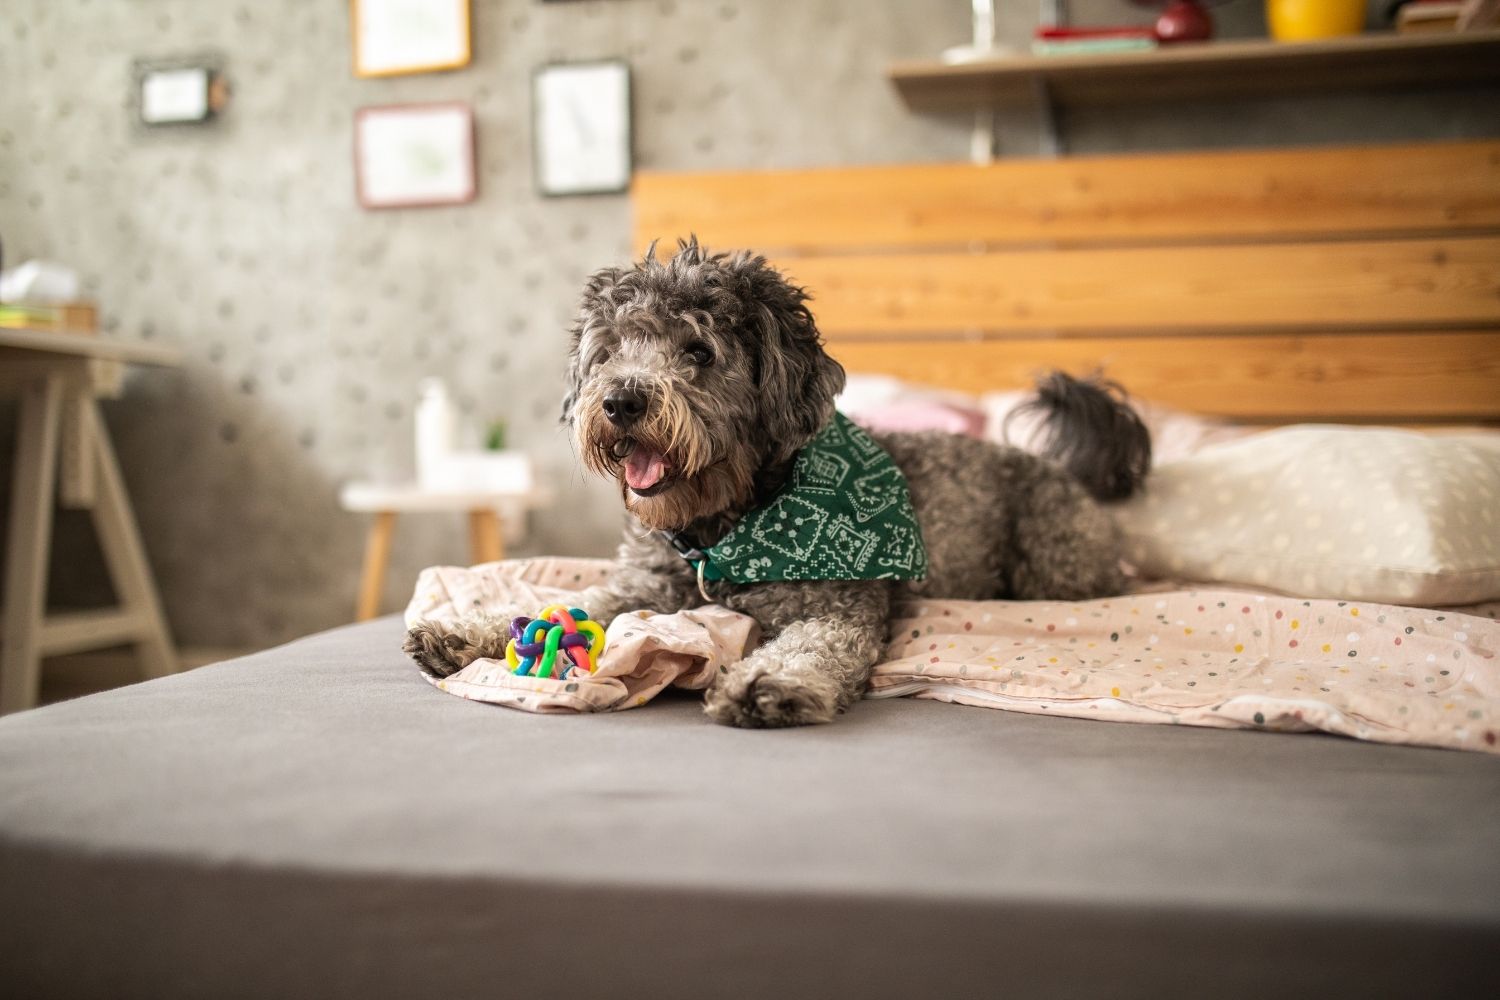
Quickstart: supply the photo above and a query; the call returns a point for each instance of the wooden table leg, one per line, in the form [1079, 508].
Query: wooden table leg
[377, 556]
[78, 460]
[29, 543]
[125, 555]
[485, 544]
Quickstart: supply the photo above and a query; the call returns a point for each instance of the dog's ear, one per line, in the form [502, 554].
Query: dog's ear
[595, 309]
[571, 383]
[796, 378]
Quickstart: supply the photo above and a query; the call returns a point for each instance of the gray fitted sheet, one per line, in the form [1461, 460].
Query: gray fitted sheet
[316, 820]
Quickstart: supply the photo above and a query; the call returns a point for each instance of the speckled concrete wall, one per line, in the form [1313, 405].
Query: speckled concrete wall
[306, 322]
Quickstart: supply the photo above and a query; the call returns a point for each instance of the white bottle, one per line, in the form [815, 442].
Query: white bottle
[435, 423]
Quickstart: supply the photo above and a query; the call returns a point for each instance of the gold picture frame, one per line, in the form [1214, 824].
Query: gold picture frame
[402, 37]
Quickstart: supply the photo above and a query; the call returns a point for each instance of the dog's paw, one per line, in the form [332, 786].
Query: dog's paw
[762, 700]
[445, 648]
[437, 652]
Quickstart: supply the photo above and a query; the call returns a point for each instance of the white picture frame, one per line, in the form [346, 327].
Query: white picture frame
[581, 127]
[408, 155]
[397, 37]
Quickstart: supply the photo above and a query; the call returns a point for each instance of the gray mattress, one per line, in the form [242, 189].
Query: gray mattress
[316, 820]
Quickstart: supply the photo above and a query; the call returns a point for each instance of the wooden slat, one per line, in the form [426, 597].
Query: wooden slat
[1195, 197]
[1437, 376]
[1351, 286]
[72, 631]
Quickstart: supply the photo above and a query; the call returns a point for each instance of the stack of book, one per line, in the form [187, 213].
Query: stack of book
[1092, 41]
[71, 317]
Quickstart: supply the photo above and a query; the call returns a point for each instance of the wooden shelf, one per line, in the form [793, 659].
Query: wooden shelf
[1214, 70]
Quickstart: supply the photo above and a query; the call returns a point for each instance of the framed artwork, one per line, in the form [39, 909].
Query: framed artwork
[581, 127]
[407, 155]
[393, 37]
[186, 91]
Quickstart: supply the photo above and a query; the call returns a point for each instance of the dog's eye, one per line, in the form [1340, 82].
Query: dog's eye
[699, 353]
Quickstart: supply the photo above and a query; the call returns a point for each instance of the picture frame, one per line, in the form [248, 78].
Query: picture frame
[413, 155]
[582, 130]
[188, 90]
[401, 37]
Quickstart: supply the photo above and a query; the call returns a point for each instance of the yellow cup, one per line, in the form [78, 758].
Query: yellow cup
[1302, 20]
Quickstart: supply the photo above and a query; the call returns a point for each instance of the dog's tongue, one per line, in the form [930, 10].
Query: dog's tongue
[644, 468]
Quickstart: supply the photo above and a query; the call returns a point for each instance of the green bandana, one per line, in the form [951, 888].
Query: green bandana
[845, 514]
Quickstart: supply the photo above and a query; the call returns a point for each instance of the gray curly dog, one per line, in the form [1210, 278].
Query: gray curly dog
[695, 381]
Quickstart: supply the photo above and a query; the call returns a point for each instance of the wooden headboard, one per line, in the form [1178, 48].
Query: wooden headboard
[1354, 283]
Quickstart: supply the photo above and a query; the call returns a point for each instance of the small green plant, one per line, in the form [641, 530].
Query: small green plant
[494, 436]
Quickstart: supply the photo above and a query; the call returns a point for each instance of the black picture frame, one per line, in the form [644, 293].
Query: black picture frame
[216, 88]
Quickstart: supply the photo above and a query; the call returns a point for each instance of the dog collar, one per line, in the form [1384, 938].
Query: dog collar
[845, 514]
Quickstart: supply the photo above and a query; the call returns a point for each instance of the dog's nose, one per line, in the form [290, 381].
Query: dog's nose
[624, 407]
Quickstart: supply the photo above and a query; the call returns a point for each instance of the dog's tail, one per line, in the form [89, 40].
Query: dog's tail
[1089, 428]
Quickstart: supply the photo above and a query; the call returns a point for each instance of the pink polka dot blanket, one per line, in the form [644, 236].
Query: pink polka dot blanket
[1225, 658]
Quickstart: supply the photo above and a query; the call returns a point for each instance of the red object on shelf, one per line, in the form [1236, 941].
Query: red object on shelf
[1068, 34]
[1184, 21]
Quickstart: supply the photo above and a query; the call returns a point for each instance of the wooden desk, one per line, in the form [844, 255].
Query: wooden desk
[62, 447]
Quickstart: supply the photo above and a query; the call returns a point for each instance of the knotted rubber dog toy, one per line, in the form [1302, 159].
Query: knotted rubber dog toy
[535, 642]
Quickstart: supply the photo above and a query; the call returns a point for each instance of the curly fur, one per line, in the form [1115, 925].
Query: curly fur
[728, 356]
[1089, 429]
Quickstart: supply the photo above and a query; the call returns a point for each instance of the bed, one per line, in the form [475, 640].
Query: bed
[319, 820]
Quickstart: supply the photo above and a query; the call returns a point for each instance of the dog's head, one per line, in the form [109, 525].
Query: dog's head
[690, 377]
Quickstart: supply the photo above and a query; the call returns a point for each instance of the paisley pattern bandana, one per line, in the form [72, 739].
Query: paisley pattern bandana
[845, 514]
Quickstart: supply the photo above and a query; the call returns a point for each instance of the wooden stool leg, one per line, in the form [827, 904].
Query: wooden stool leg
[377, 556]
[78, 472]
[485, 544]
[125, 556]
[30, 538]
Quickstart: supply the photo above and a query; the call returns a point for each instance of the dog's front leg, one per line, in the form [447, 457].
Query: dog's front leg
[815, 664]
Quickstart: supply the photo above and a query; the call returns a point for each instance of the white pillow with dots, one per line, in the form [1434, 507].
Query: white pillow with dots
[1373, 514]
